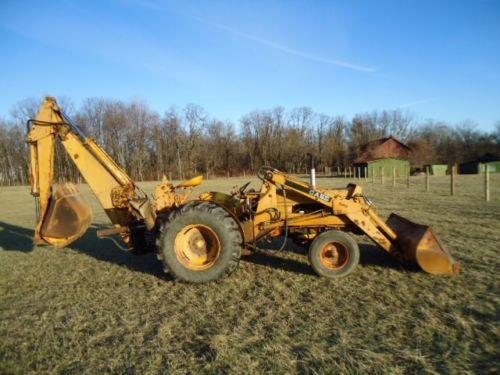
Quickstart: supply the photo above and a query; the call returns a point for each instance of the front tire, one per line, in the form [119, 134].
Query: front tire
[334, 254]
[200, 242]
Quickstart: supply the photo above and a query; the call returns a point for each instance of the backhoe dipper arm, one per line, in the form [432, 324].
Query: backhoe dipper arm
[114, 189]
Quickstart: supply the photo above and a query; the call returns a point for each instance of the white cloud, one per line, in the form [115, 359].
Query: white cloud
[291, 51]
[265, 42]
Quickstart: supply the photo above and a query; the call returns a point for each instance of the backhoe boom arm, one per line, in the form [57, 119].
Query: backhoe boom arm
[114, 189]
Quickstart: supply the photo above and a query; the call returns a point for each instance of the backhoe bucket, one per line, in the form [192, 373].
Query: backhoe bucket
[68, 216]
[420, 245]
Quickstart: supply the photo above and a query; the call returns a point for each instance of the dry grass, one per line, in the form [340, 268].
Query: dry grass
[91, 308]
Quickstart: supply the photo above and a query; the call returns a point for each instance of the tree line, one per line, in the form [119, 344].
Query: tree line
[184, 142]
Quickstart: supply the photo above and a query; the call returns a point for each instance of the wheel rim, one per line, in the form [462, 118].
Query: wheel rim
[197, 247]
[334, 255]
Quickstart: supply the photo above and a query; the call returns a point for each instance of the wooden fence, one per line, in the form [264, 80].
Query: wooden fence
[357, 173]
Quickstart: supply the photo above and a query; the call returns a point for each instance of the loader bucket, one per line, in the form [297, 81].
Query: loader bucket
[68, 216]
[420, 245]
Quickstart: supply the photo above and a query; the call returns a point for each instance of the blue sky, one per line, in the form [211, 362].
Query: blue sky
[437, 59]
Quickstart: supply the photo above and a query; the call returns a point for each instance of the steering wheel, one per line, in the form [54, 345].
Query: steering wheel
[243, 188]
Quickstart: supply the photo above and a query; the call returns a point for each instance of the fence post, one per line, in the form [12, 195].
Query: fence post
[366, 173]
[382, 175]
[407, 169]
[486, 183]
[373, 174]
[345, 173]
[393, 176]
[452, 180]
[427, 178]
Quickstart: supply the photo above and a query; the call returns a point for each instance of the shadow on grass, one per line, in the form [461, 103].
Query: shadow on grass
[272, 260]
[15, 238]
[107, 251]
[269, 255]
[370, 255]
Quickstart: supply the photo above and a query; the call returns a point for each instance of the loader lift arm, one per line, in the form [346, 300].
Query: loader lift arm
[63, 215]
[347, 202]
[347, 210]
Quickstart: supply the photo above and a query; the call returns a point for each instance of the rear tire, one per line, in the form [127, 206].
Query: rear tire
[334, 254]
[200, 242]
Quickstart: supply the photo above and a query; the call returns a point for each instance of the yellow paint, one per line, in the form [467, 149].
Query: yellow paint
[193, 182]
[283, 203]
[197, 247]
[96, 166]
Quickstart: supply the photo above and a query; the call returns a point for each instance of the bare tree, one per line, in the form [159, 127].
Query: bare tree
[184, 143]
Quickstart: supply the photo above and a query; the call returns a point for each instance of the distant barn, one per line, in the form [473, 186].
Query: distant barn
[477, 165]
[436, 169]
[385, 154]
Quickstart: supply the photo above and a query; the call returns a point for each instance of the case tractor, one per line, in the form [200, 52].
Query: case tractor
[202, 239]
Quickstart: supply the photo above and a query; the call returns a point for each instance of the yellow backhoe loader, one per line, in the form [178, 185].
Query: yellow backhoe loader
[202, 239]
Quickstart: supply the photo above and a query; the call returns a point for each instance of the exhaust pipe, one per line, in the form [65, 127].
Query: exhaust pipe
[312, 175]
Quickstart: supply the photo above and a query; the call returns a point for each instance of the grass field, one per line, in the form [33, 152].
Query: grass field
[92, 308]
